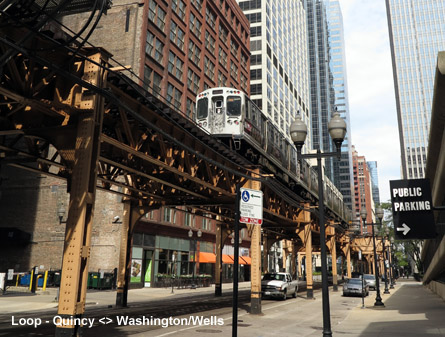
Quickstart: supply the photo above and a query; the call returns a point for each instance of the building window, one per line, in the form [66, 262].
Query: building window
[233, 70]
[195, 25]
[194, 53]
[175, 66]
[167, 214]
[234, 48]
[191, 109]
[255, 89]
[255, 31]
[178, 7]
[197, 4]
[192, 81]
[222, 80]
[222, 57]
[154, 47]
[156, 15]
[223, 33]
[174, 96]
[209, 68]
[177, 35]
[211, 18]
[209, 42]
[244, 59]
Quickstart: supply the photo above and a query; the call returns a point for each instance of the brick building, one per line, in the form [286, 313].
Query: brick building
[362, 189]
[175, 49]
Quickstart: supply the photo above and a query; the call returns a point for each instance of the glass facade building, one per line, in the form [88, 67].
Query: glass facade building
[372, 167]
[279, 67]
[343, 170]
[329, 88]
[416, 31]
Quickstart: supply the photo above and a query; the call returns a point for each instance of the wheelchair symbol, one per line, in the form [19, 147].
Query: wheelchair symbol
[245, 196]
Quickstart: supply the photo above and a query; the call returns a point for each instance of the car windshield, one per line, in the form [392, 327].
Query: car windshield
[369, 277]
[270, 277]
[355, 281]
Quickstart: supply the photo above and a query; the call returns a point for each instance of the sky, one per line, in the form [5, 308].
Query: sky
[371, 88]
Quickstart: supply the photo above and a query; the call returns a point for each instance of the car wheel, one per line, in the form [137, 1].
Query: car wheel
[294, 295]
[284, 296]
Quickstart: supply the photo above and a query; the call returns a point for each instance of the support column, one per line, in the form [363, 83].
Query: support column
[255, 250]
[293, 266]
[348, 260]
[333, 250]
[76, 252]
[306, 237]
[131, 216]
[255, 270]
[218, 262]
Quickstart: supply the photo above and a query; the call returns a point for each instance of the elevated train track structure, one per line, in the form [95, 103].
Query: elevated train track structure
[66, 112]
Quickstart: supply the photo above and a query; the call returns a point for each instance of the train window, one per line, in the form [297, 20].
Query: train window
[233, 105]
[203, 108]
[218, 104]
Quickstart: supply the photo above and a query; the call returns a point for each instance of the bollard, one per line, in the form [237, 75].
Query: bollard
[45, 279]
[30, 279]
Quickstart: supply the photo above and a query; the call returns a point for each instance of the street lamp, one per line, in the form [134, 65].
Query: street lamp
[391, 266]
[379, 213]
[190, 234]
[385, 253]
[337, 131]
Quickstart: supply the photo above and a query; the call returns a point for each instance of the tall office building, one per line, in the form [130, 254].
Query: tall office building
[321, 80]
[416, 31]
[329, 87]
[278, 66]
[372, 167]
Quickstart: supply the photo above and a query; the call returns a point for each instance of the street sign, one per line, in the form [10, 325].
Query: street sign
[412, 209]
[251, 206]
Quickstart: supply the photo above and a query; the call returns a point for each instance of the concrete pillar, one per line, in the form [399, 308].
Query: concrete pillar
[306, 237]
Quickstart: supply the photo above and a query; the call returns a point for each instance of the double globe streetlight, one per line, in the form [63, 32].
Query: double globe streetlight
[337, 131]
[379, 214]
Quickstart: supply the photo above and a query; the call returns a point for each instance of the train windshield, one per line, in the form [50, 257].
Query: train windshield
[233, 105]
[203, 108]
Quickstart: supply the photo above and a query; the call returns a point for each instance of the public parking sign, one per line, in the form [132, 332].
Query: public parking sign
[412, 209]
[251, 206]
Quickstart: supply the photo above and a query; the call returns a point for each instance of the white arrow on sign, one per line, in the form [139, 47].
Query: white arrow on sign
[404, 228]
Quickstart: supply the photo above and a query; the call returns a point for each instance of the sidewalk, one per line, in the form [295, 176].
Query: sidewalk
[410, 310]
[20, 301]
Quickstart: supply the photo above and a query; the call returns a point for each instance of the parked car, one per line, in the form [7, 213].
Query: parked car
[355, 286]
[370, 280]
[279, 285]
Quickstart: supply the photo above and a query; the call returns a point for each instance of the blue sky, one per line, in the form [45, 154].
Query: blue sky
[371, 88]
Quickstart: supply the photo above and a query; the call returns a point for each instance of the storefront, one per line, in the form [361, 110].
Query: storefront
[162, 261]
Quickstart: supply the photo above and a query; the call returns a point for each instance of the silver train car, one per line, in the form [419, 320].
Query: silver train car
[230, 115]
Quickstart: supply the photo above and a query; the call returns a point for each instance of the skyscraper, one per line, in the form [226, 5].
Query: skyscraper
[372, 167]
[279, 66]
[416, 32]
[329, 88]
[321, 80]
[343, 170]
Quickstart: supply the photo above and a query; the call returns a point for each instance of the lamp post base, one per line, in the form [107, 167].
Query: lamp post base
[378, 302]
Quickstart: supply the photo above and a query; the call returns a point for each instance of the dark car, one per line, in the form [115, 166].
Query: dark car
[355, 286]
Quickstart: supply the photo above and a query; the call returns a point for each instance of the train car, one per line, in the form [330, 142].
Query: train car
[230, 115]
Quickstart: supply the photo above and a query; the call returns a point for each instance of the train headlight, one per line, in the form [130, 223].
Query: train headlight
[229, 122]
[236, 122]
[204, 124]
[200, 124]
